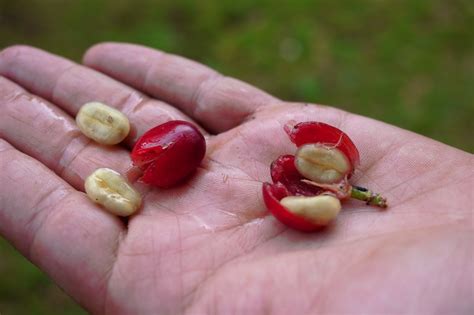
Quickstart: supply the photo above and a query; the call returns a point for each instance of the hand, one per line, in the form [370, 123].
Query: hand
[209, 246]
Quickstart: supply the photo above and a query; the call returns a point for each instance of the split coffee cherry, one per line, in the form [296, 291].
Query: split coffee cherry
[308, 187]
[169, 153]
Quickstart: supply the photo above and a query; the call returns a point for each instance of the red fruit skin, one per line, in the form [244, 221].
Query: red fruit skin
[318, 132]
[283, 170]
[287, 179]
[272, 194]
[169, 153]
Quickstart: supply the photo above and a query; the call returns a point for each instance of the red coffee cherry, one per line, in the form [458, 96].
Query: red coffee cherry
[169, 153]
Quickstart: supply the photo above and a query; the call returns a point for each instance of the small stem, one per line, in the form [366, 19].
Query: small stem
[361, 193]
[133, 173]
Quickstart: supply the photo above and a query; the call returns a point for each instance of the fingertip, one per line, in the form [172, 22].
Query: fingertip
[9, 54]
[97, 52]
[14, 50]
[93, 52]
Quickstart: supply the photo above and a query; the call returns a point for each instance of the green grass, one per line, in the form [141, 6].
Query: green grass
[26, 290]
[406, 62]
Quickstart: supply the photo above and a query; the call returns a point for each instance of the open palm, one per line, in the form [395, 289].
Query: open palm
[209, 246]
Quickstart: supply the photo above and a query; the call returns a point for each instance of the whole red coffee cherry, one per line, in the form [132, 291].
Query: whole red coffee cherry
[169, 153]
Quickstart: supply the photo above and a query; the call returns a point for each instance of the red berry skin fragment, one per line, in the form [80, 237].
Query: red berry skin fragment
[318, 132]
[272, 194]
[169, 153]
[283, 170]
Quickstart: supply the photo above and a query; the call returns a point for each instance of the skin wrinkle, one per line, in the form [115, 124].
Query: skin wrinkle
[181, 293]
[396, 198]
[53, 92]
[399, 213]
[155, 68]
[20, 93]
[20, 119]
[241, 219]
[327, 243]
[195, 103]
[202, 232]
[375, 162]
[103, 281]
[392, 188]
[73, 132]
[91, 58]
[41, 204]
[368, 255]
[16, 119]
[215, 150]
[217, 268]
[228, 178]
[239, 117]
[157, 262]
[370, 239]
[110, 272]
[115, 271]
[63, 165]
[302, 276]
[405, 183]
[419, 195]
[192, 293]
[189, 297]
[377, 188]
[191, 106]
[127, 105]
[263, 110]
[248, 143]
[364, 169]
[139, 105]
[52, 211]
[151, 71]
[374, 251]
[217, 204]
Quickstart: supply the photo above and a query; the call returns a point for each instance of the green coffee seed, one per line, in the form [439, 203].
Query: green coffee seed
[102, 123]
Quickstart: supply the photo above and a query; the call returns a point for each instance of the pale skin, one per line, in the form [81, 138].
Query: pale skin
[209, 246]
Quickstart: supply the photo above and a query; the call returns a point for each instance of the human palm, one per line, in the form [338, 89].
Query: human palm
[209, 246]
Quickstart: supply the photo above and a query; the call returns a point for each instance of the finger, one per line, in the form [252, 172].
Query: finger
[46, 133]
[218, 102]
[69, 86]
[56, 227]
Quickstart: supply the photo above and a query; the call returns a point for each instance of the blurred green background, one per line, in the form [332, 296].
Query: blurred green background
[406, 62]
